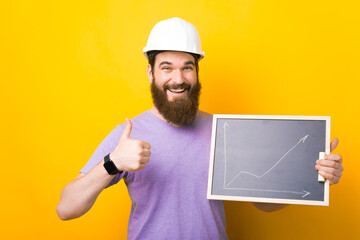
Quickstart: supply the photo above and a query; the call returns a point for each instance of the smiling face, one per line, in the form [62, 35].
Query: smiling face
[175, 72]
[174, 86]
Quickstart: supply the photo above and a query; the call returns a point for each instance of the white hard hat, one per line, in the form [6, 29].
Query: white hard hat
[174, 34]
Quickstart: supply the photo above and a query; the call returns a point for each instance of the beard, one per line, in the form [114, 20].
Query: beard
[182, 110]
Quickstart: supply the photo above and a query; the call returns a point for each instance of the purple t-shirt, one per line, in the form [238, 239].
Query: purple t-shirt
[169, 195]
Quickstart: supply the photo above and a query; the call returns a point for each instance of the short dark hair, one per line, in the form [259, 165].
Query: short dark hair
[152, 58]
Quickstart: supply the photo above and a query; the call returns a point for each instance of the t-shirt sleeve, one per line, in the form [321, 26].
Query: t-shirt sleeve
[106, 146]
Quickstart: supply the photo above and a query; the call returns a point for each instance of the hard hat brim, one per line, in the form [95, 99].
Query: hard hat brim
[145, 51]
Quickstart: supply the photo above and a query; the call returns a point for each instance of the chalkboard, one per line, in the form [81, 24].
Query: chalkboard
[268, 159]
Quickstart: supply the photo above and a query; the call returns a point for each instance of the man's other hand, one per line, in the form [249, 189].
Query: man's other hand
[331, 167]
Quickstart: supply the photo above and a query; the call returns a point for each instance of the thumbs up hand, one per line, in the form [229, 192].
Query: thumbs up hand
[130, 155]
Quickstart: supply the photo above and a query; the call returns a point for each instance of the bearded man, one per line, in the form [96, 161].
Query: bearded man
[162, 154]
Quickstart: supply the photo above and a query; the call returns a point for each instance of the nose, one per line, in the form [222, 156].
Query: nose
[178, 77]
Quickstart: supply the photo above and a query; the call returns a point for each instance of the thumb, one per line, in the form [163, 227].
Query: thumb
[127, 130]
[334, 144]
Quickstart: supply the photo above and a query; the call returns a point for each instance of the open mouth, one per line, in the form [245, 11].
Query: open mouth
[178, 90]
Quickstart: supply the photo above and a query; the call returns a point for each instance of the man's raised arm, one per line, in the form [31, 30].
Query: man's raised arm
[80, 194]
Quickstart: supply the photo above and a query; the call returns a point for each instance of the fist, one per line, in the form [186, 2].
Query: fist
[130, 155]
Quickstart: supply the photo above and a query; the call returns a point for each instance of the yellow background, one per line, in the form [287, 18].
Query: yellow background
[72, 70]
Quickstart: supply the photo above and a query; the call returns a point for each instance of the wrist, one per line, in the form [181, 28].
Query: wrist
[110, 166]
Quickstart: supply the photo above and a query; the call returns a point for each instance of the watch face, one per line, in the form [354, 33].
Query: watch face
[110, 167]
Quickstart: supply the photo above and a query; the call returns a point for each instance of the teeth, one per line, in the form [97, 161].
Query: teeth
[177, 90]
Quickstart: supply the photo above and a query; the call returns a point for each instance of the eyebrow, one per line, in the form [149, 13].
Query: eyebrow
[165, 63]
[190, 63]
[169, 63]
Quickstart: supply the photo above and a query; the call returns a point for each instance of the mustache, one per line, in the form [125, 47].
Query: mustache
[184, 85]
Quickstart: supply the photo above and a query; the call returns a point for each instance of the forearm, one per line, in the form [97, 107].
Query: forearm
[80, 194]
[269, 207]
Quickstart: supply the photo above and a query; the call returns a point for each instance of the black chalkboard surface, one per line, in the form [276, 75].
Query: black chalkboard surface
[268, 159]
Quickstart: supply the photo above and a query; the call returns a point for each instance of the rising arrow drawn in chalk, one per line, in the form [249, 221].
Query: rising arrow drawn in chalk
[302, 140]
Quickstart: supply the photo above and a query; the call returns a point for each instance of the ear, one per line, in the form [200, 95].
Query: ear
[149, 73]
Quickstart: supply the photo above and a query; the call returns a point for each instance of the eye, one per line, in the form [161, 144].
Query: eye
[188, 68]
[166, 68]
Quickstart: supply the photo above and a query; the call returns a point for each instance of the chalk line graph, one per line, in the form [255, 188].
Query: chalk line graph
[226, 185]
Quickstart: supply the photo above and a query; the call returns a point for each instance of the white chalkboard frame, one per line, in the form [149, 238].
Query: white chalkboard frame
[325, 202]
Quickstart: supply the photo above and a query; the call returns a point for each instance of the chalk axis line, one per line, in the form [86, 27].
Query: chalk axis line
[304, 193]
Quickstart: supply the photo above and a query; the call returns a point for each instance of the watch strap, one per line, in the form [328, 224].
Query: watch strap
[110, 166]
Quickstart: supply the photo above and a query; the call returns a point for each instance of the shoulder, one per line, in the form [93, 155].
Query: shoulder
[203, 119]
[202, 114]
[140, 124]
[144, 116]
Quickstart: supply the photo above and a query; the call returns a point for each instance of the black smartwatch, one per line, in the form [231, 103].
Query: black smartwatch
[110, 166]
